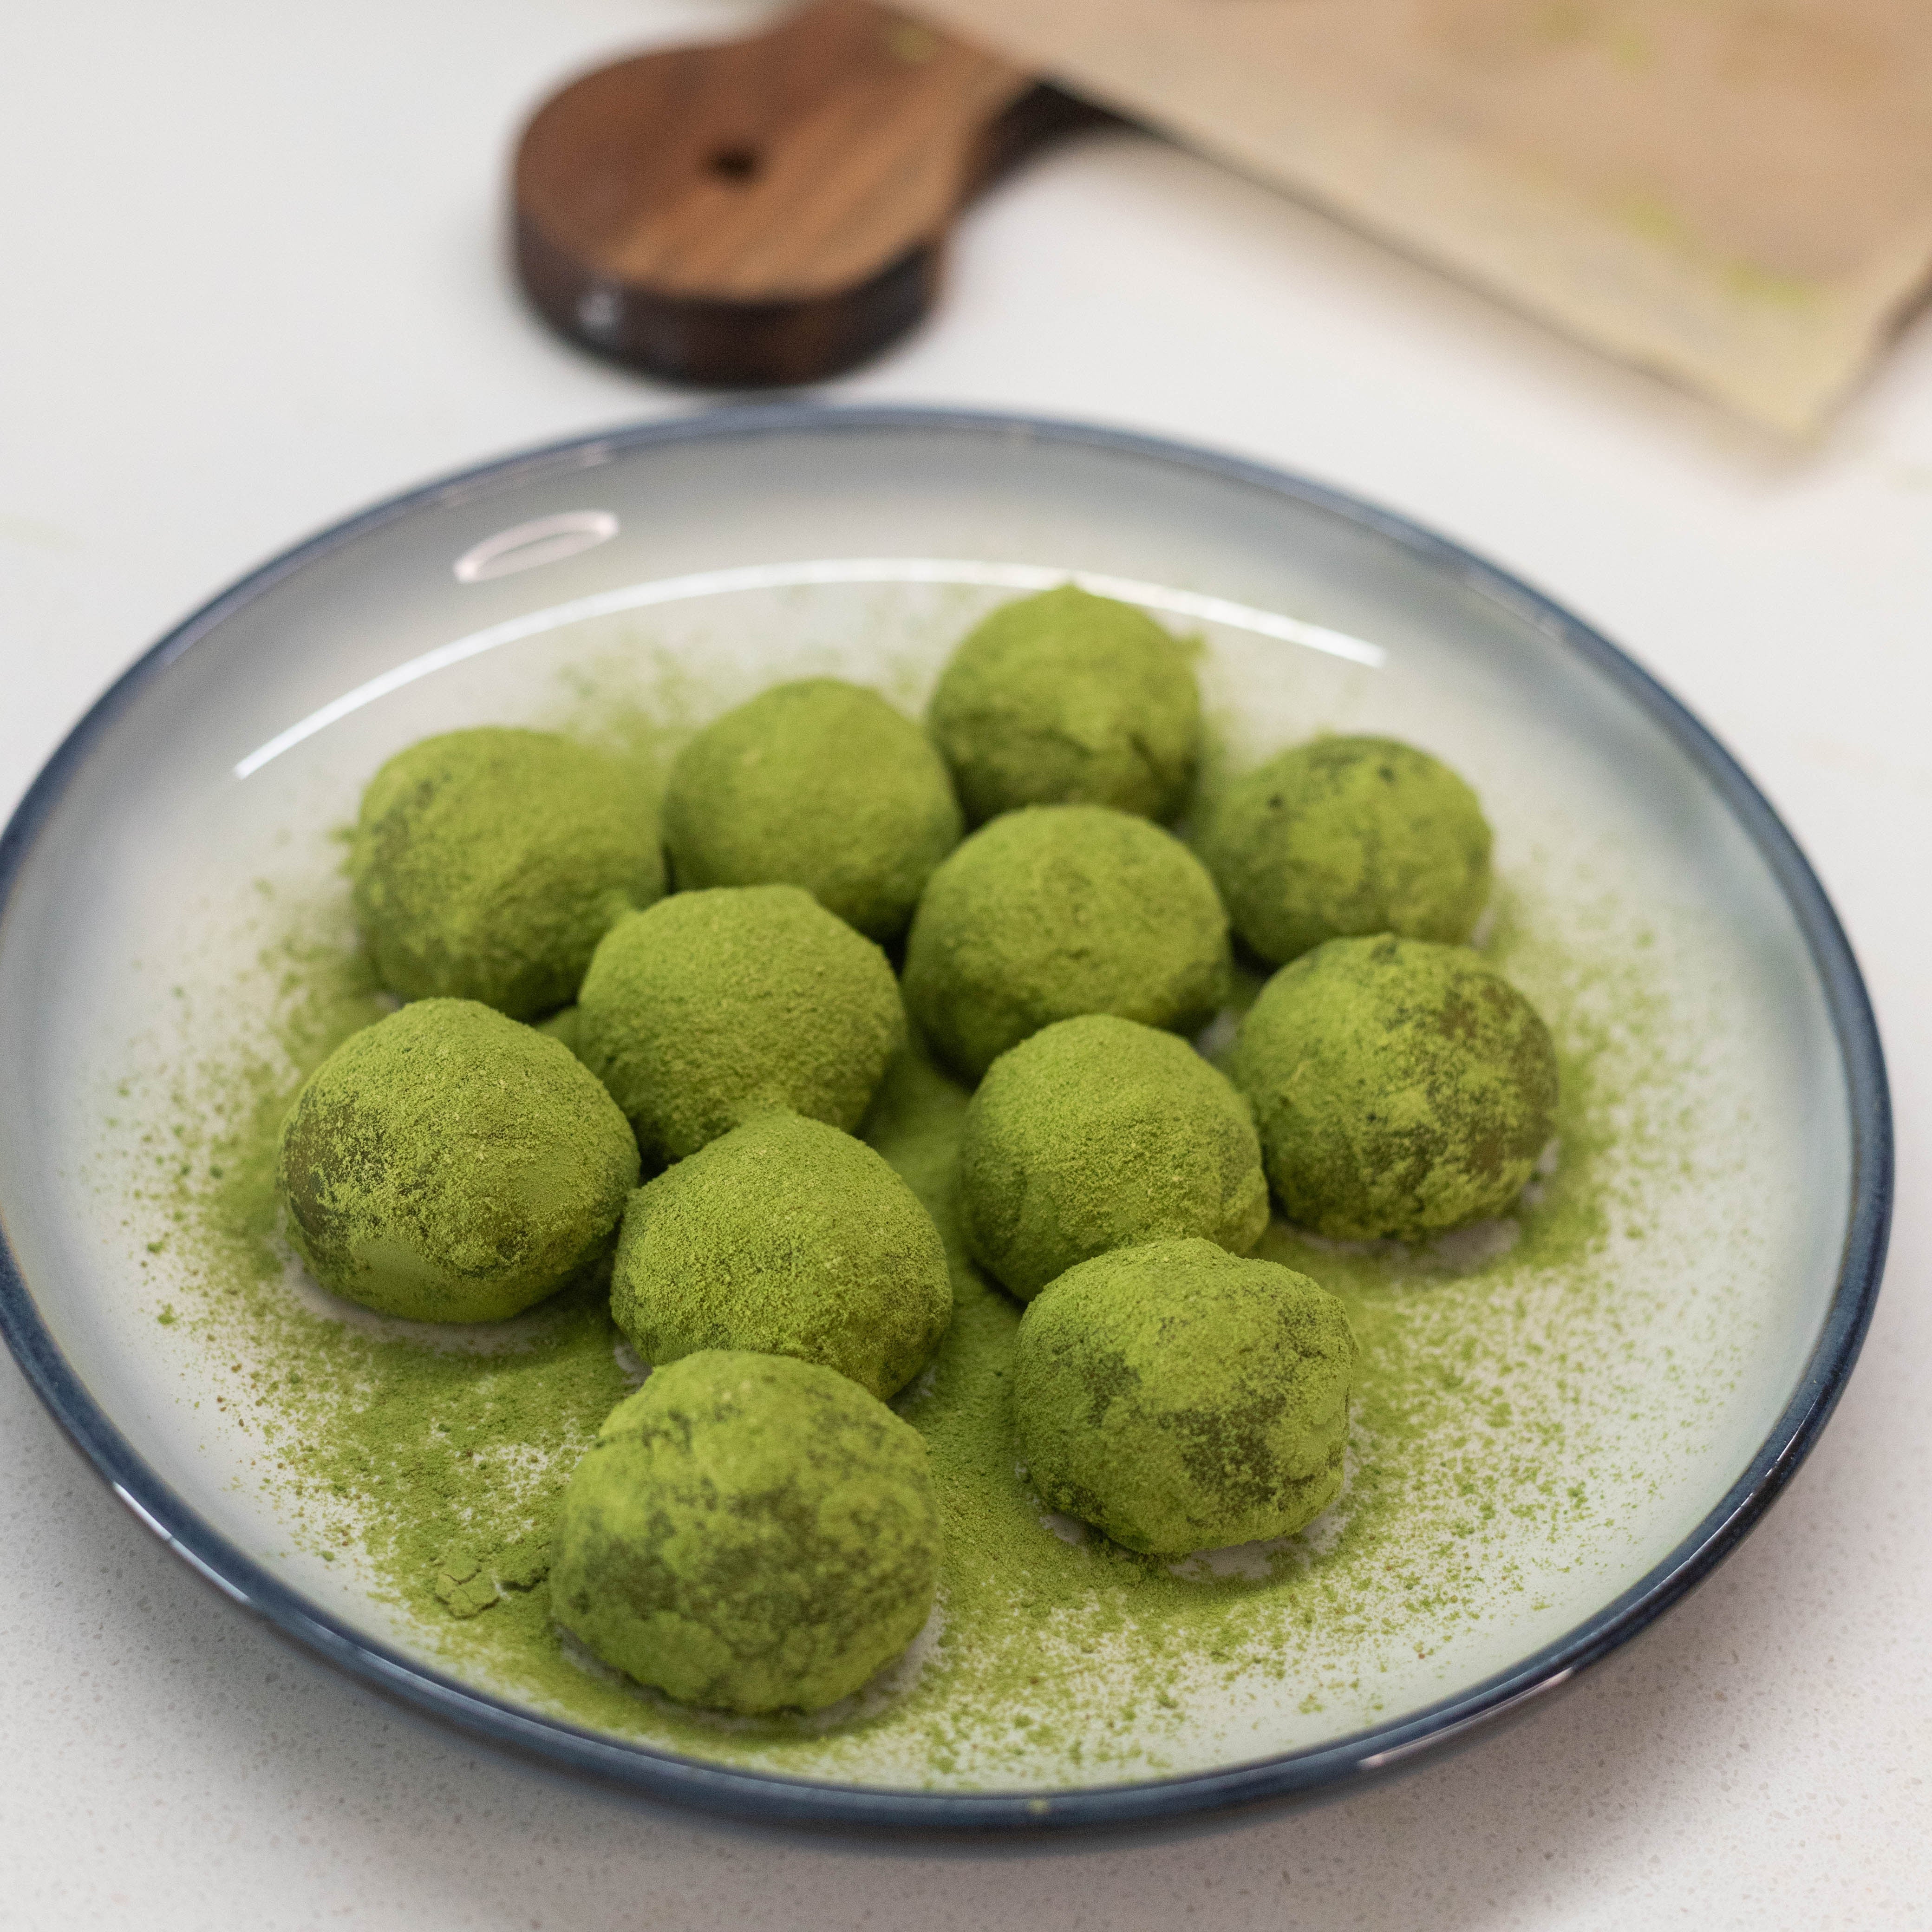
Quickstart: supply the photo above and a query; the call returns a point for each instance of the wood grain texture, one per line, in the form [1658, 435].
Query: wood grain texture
[767, 211]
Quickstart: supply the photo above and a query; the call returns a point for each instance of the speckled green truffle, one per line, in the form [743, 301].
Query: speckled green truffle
[1181, 1398]
[1346, 837]
[1058, 910]
[488, 863]
[818, 784]
[751, 1533]
[1069, 699]
[1402, 1088]
[1098, 1134]
[713, 1008]
[449, 1164]
[789, 1237]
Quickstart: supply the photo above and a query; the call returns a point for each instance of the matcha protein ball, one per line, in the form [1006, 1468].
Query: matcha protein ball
[786, 1236]
[1402, 1088]
[749, 1533]
[1069, 699]
[1346, 837]
[1058, 911]
[818, 784]
[1098, 1134]
[1180, 1398]
[714, 1007]
[488, 863]
[449, 1164]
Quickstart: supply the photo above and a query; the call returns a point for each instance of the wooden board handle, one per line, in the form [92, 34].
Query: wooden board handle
[768, 211]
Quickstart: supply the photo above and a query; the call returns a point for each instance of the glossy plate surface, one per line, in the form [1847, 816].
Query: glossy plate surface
[1745, 1207]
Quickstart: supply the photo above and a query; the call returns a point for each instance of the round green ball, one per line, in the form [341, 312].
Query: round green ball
[1098, 1134]
[818, 784]
[1346, 837]
[1402, 1088]
[750, 1534]
[1059, 910]
[1180, 1398]
[488, 864]
[713, 1008]
[787, 1237]
[1069, 699]
[449, 1164]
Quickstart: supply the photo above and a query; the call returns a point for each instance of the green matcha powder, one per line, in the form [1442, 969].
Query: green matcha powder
[435, 1467]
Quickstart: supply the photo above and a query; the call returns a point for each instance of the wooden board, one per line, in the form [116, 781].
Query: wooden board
[767, 211]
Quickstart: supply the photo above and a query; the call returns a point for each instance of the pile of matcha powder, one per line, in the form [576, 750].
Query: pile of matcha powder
[880, 1227]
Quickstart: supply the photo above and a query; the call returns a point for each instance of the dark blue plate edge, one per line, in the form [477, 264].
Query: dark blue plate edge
[1329, 1770]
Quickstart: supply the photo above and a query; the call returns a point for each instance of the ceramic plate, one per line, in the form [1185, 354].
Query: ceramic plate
[1578, 1429]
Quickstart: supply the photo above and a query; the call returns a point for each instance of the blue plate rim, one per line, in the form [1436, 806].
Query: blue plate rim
[1329, 1769]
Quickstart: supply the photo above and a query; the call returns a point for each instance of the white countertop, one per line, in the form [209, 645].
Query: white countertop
[251, 277]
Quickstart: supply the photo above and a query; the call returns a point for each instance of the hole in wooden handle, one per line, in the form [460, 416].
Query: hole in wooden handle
[737, 163]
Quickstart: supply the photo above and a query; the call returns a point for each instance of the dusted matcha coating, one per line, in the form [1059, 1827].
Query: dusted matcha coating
[713, 1008]
[1097, 1134]
[1348, 836]
[1181, 1398]
[1058, 910]
[488, 863]
[749, 1533]
[449, 1164]
[1069, 699]
[786, 1236]
[1402, 1088]
[818, 784]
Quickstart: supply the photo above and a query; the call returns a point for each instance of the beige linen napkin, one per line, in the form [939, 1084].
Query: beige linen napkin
[1736, 193]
